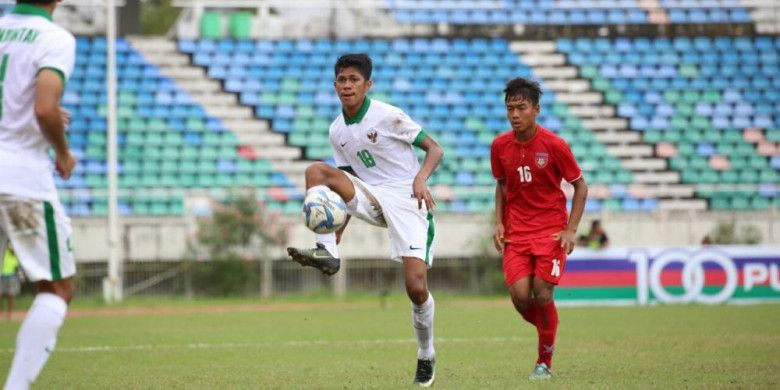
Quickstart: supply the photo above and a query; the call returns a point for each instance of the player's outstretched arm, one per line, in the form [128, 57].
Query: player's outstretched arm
[49, 114]
[433, 155]
[569, 235]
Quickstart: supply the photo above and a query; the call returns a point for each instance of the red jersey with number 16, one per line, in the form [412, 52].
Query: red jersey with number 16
[535, 203]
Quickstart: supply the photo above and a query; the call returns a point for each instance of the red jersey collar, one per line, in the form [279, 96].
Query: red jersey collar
[528, 141]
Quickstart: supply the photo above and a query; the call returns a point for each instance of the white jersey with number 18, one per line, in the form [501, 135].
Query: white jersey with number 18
[378, 144]
[29, 43]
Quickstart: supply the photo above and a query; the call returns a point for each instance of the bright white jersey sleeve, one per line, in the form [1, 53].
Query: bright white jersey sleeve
[378, 144]
[29, 43]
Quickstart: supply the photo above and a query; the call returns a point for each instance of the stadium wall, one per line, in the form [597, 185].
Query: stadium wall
[165, 239]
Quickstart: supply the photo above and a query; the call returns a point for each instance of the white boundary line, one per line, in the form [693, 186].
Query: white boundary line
[297, 343]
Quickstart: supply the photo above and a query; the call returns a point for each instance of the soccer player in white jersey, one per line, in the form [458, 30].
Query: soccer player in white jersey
[36, 57]
[382, 183]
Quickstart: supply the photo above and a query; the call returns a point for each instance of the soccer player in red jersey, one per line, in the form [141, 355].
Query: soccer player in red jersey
[533, 231]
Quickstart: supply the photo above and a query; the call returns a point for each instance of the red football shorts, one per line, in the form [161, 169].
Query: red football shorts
[542, 257]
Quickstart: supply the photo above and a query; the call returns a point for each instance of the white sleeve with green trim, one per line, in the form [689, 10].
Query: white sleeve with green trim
[58, 53]
[400, 126]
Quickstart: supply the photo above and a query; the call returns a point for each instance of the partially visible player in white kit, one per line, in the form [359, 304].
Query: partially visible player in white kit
[382, 183]
[36, 57]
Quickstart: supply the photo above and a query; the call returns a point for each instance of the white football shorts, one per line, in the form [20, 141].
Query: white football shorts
[40, 234]
[411, 230]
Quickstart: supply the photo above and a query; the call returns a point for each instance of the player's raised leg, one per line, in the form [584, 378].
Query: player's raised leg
[325, 256]
[423, 308]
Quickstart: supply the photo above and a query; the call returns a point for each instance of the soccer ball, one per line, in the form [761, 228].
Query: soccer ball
[324, 211]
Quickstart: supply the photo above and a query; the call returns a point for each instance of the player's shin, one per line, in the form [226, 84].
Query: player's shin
[547, 327]
[529, 312]
[422, 320]
[36, 339]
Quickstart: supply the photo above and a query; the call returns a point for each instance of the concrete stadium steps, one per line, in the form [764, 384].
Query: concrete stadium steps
[650, 172]
[765, 13]
[249, 130]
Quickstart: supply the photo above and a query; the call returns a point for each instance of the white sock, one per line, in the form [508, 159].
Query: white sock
[36, 339]
[422, 320]
[329, 241]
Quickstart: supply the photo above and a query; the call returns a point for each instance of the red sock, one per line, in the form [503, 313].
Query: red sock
[530, 312]
[547, 327]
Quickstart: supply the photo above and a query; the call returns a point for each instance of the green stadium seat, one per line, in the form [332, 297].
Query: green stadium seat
[759, 203]
[240, 25]
[100, 209]
[168, 180]
[96, 152]
[96, 181]
[731, 135]
[740, 203]
[652, 137]
[187, 180]
[589, 71]
[756, 162]
[613, 97]
[729, 177]
[131, 153]
[720, 203]
[772, 135]
[211, 25]
[156, 125]
[672, 136]
[600, 84]
[769, 176]
[748, 176]
[611, 205]
[685, 109]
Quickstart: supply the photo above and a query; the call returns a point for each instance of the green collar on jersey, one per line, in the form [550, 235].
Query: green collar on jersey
[29, 9]
[360, 114]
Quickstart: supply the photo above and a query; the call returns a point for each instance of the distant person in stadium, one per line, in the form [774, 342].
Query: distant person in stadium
[533, 231]
[9, 281]
[596, 237]
[382, 183]
[36, 59]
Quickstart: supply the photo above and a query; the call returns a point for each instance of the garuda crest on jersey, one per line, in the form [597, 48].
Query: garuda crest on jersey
[372, 135]
[541, 159]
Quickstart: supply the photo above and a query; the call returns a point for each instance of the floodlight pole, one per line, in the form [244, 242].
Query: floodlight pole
[112, 284]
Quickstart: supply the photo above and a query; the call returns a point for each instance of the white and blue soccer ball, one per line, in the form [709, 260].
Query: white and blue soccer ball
[324, 211]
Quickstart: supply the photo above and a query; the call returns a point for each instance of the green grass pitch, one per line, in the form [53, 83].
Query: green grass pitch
[481, 344]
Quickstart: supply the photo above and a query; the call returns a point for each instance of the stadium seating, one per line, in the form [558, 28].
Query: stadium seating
[565, 12]
[452, 87]
[167, 143]
[711, 104]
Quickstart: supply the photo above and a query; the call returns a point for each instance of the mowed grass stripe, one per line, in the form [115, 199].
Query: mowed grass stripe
[292, 344]
[480, 345]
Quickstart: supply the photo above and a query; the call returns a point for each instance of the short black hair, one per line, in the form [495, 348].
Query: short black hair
[360, 61]
[524, 88]
[41, 2]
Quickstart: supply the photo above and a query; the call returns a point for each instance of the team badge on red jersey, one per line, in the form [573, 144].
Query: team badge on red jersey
[541, 159]
[372, 134]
